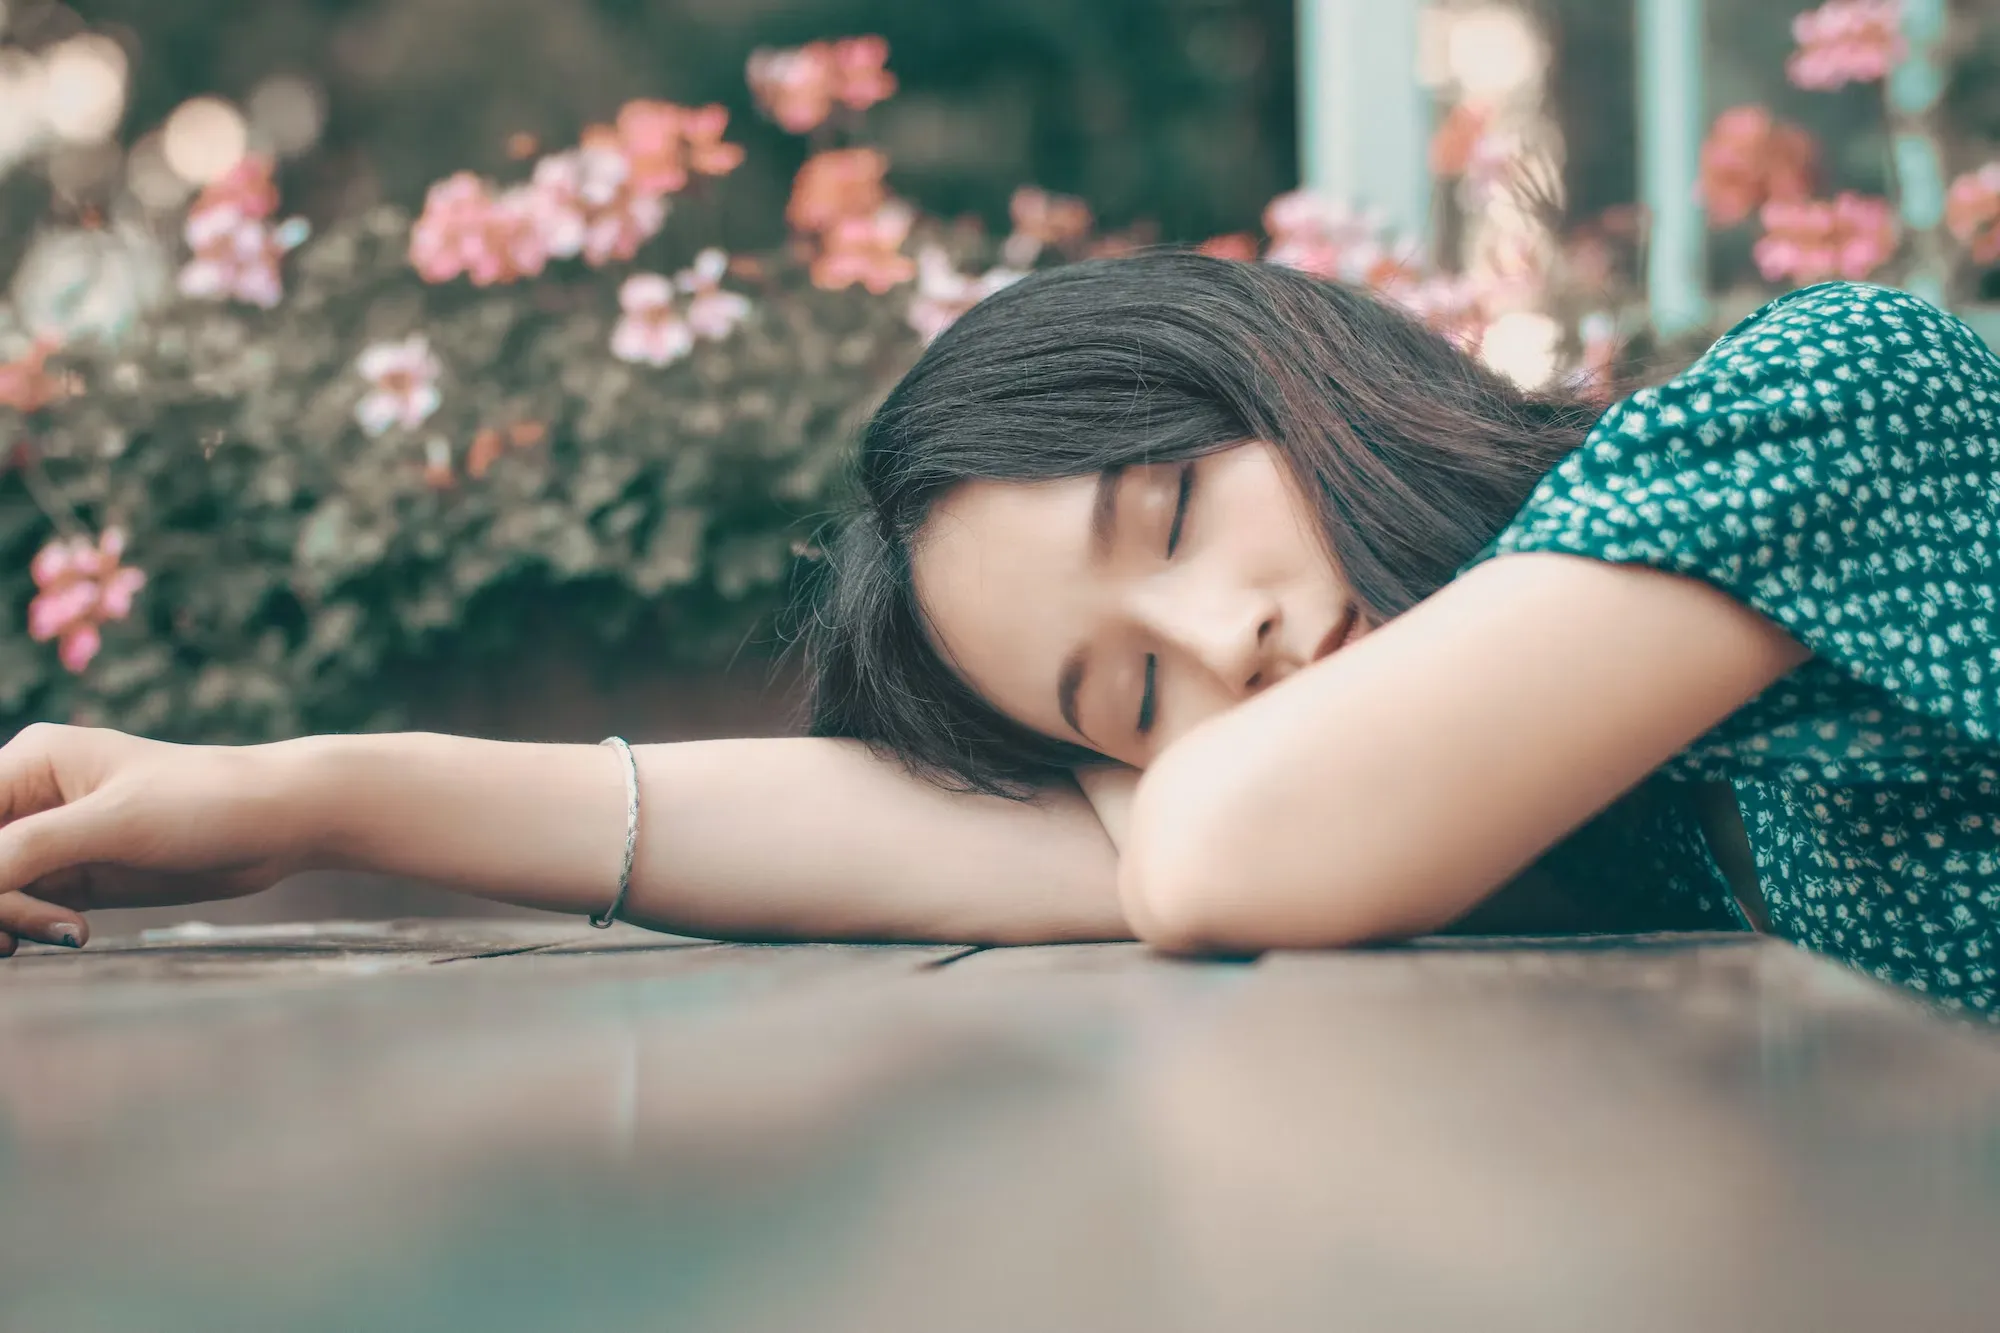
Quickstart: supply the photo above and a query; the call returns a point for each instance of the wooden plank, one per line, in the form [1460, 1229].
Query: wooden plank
[1662, 1134]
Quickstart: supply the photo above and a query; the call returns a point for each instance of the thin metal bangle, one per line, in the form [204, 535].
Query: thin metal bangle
[631, 831]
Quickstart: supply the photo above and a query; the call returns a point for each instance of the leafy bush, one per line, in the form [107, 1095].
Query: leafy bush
[292, 558]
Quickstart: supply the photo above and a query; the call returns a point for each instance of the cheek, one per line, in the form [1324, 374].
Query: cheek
[1271, 526]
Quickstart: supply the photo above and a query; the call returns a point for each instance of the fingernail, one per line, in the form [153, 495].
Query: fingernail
[69, 937]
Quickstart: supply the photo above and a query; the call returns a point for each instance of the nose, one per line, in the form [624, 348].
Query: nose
[1231, 634]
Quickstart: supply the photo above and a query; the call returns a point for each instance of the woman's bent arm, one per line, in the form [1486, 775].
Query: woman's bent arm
[766, 839]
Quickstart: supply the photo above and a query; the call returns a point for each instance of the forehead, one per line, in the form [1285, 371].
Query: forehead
[1003, 576]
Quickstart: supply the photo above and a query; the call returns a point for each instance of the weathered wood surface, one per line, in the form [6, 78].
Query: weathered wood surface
[516, 1125]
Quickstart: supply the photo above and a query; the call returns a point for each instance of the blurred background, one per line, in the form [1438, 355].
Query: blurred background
[491, 365]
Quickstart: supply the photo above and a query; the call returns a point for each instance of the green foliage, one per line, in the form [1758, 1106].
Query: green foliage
[297, 566]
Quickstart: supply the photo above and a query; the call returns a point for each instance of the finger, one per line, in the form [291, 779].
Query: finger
[46, 842]
[32, 919]
[6, 946]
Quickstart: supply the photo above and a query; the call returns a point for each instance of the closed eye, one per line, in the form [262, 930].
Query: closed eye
[1146, 705]
[1180, 507]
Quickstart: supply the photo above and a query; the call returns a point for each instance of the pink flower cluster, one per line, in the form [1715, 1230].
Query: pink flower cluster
[1750, 158]
[1812, 240]
[799, 87]
[655, 330]
[601, 200]
[841, 210]
[944, 293]
[236, 246]
[1972, 212]
[1043, 221]
[80, 586]
[1846, 41]
[1329, 240]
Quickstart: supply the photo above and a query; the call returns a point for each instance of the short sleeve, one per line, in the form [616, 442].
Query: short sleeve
[1833, 462]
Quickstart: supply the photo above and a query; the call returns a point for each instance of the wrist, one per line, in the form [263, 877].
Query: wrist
[313, 780]
[537, 825]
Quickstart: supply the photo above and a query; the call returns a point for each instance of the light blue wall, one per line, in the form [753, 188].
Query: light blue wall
[1671, 122]
[1364, 115]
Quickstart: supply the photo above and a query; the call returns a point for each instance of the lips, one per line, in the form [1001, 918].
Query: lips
[1337, 635]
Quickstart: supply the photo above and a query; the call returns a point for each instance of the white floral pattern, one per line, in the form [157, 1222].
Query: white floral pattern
[1834, 462]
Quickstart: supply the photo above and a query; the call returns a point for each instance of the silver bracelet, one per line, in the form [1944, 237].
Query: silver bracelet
[631, 831]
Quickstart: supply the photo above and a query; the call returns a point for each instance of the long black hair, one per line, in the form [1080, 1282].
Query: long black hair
[1413, 454]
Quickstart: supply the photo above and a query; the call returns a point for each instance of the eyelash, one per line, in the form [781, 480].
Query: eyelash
[1146, 699]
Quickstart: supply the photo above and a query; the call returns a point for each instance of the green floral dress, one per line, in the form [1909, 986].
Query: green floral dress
[1833, 462]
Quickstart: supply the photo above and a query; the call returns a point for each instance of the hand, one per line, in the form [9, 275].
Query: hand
[92, 819]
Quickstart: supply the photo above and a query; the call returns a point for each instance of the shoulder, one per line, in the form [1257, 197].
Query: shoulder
[1812, 350]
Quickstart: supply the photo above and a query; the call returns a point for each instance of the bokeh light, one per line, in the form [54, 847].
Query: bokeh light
[22, 127]
[83, 88]
[204, 137]
[1494, 52]
[286, 114]
[1523, 346]
[152, 182]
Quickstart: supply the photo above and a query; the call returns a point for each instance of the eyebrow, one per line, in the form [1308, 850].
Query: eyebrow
[1103, 531]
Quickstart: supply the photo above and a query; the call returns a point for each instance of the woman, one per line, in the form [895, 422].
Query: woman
[1210, 604]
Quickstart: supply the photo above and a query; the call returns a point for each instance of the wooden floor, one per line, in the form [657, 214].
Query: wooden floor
[523, 1125]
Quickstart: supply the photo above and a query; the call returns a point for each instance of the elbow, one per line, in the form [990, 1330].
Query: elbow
[1199, 875]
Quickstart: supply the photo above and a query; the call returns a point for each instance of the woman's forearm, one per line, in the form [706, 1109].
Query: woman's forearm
[776, 839]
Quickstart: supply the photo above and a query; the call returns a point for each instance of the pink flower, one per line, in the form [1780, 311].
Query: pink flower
[1846, 41]
[799, 86]
[651, 331]
[402, 378]
[236, 257]
[1750, 158]
[1813, 240]
[1042, 219]
[1329, 240]
[452, 224]
[465, 231]
[843, 183]
[712, 312]
[1457, 138]
[861, 76]
[866, 250]
[1454, 305]
[246, 190]
[702, 129]
[1972, 212]
[236, 248]
[793, 87]
[649, 136]
[80, 587]
[28, 385]
[943, 293]
[1238, 245]
[588, 204]
[513, 243]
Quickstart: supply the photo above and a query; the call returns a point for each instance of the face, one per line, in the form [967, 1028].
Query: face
[1118, 611]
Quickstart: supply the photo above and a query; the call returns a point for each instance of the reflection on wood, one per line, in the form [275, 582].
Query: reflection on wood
[534, 1125]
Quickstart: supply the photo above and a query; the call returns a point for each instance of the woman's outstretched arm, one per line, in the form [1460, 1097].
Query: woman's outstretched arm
[766, 839]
